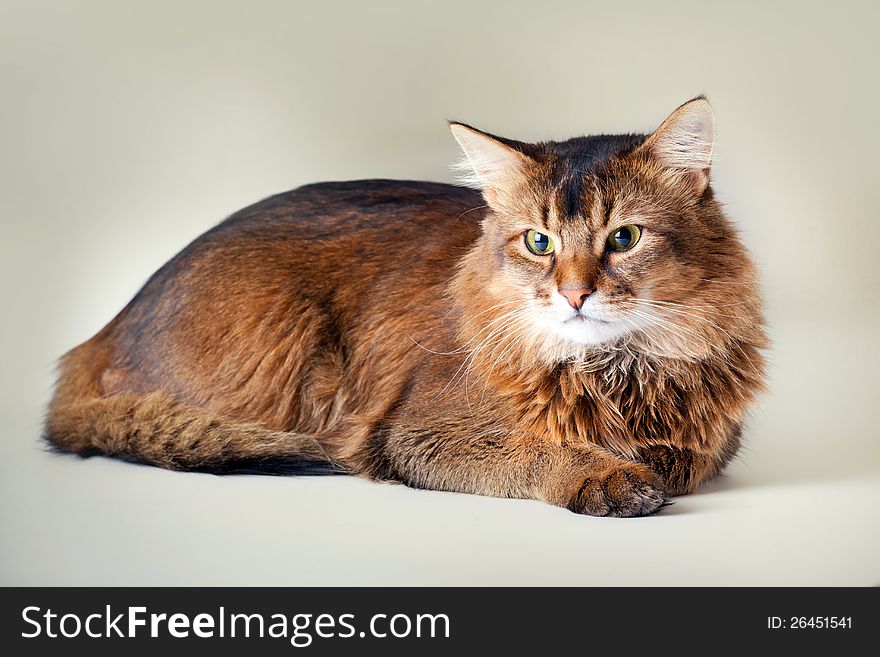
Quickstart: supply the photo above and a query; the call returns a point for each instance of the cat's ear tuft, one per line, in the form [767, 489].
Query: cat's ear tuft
[686, 140]
[490, 164]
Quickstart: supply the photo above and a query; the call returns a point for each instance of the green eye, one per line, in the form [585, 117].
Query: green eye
[539, 243]
[624, 238]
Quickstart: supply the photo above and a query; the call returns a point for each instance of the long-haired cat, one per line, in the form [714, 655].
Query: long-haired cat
[585, 330]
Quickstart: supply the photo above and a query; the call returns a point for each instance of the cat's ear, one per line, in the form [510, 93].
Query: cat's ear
[685, 141]
[490, 164]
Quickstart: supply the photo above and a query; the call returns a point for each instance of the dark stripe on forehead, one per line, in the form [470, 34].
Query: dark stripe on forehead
[581, 160]
[607, 209]
[573, 194]
[545, 215]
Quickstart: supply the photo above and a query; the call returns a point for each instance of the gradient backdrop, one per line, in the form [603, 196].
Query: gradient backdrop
[129, 128]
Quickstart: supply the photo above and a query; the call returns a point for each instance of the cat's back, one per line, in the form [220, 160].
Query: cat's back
[335, 210]
[323, 230]
[333, 235]
[297, 266]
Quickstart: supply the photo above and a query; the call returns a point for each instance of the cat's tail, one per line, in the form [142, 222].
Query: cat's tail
[156, 429]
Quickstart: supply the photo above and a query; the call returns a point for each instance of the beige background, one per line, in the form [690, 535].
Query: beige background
[127, 129]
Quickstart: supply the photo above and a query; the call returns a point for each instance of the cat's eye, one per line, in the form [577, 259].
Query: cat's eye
[624, 238]
[539, 243]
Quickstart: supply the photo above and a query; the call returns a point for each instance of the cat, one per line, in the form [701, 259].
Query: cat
[583, 328]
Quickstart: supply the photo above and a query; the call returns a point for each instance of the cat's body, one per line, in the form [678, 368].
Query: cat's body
[376, 327]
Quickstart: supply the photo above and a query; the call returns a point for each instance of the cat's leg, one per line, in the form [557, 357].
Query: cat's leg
[683, 469]
[590, 481]
[489, 461]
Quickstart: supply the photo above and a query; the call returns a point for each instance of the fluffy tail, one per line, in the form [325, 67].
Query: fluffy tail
[158, 430]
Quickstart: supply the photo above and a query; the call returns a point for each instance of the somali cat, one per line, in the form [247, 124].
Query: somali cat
[584, 330]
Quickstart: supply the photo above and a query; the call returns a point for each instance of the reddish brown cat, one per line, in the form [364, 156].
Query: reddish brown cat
[586, 331]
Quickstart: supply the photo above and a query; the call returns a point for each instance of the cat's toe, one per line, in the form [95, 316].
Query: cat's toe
[626, 491]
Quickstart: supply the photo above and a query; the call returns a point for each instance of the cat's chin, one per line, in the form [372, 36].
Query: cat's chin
[586, 331]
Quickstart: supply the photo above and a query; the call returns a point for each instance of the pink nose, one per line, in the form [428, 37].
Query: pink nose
[576, 296]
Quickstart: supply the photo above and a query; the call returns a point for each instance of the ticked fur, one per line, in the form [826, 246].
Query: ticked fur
[403, 331]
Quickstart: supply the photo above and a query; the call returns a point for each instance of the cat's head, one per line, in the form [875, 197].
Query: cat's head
[600, 240]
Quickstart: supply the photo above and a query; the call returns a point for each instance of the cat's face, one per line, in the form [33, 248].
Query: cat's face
[599, 238]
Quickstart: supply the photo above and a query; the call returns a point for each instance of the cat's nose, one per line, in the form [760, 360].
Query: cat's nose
[576, 295]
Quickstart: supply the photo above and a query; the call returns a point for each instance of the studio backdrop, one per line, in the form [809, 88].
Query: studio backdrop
[129, 128]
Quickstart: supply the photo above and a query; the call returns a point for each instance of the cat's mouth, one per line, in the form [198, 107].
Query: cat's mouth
[594, 323]
[579, 318]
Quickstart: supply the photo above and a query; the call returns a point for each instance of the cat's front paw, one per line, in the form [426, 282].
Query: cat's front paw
[624, 491]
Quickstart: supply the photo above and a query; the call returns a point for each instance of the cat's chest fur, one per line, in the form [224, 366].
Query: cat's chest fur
[627, 402]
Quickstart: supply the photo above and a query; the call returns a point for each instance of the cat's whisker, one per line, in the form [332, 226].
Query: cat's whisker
[725, 357]
[431, 351]
[461, 348]
[469, 352]
[673, 325]
[678, 311]
[479, 207]
[647, 335]
[510, 315]
[672, 329]
[502, 317]
[518, 338]
[518, 321]
[691, 306]
[681, 313]
[720, 282]
[730, 339]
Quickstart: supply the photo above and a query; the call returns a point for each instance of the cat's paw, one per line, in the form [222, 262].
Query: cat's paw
[624, 491]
